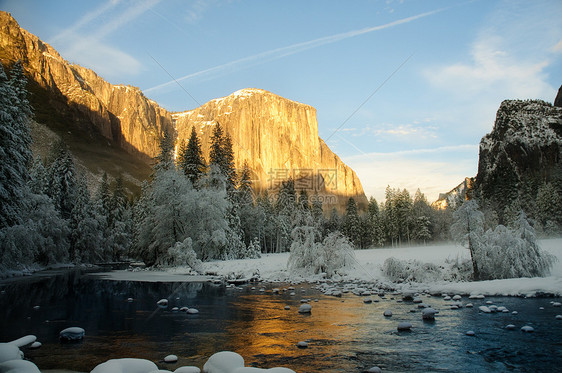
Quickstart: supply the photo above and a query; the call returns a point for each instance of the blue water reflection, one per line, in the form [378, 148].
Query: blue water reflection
[344, 334]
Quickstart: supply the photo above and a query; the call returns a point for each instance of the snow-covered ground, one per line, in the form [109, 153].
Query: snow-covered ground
[273, 267]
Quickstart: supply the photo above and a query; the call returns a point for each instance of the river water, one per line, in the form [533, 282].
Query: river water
[344, 334]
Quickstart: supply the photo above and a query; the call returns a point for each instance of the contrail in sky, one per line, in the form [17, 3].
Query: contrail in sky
[278, 53]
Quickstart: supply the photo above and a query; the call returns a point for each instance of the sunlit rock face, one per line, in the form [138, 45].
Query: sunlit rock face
[119, 113]
[276, 136]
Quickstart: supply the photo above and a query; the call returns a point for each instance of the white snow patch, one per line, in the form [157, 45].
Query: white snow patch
[18, 366]
[24, 341]
[126, 365]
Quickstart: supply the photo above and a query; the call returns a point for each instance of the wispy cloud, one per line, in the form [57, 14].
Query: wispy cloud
[410, 152]
[88, 48]
[510, 56]
[85, 20]
[278, 53]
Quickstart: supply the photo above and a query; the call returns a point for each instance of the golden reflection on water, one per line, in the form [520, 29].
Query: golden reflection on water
[266, 334]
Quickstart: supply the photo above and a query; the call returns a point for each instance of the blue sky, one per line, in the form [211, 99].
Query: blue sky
[435, 72]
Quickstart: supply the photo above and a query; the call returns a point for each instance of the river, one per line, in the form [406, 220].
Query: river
[343, 334]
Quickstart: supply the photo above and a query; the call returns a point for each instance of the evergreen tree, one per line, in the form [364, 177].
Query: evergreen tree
[216, 154]
[334, 222]
[86, 237]
[15, 140]
[352, 223]
[269, 223]
[548, 209]
[190, 158]
[62, 179]
[229, 168]
[121, 223]
[103, 208]
[248, 214]
[38, 177]
[165, 159]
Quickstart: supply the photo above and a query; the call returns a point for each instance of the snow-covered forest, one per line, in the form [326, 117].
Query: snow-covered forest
[193, 210]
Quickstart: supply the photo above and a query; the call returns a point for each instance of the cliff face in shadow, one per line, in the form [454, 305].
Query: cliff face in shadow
[276, 136]
[121, 114]
[523, 151]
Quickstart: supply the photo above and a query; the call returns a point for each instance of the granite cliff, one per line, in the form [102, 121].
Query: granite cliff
[122, 128]
[277, 137]
[523, 151]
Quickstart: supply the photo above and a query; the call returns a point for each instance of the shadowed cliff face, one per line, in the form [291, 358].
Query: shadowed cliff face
[523, 151]
[277, 137]
[120, 114]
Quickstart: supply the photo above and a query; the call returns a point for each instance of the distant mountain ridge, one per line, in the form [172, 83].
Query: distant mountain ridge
[278, 137]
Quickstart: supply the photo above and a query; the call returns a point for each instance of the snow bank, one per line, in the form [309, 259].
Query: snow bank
[126, 366]
[369, 263]
[368, 268]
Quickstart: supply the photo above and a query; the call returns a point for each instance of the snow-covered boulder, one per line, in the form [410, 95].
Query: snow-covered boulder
[223, 362]
[556, 304]
[387, 313]
[162, 303]
[18, 366]
[470, 333]
[404, 326]
[527, 329]
[24, 341]
[9, 351]
[558, 317]
[305, 308]
[374, 370]
[126, 365]
[256, 370]
[171, 359]
[484, 309]
[429, 313]
[35, 345]
[192, 311]
[188, 369]
[457, 297]
[510, 327]
[73, 333]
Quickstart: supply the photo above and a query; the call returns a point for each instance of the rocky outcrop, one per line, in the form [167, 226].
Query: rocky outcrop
[558, 99]
[523, 151]
[455, 196]
[120, 114]
[278, 138]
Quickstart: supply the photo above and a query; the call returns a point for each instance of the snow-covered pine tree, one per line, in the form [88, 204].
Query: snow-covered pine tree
[38, 177]
[268, 218]
[62, 179]
[86, 235]
[121, 225]
[15, 140]
[548, 209]
[352, 223]
[104, 214]
[165, 159]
